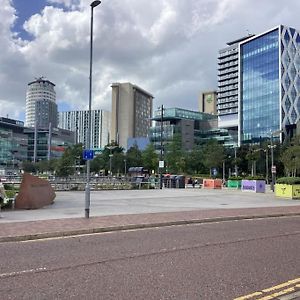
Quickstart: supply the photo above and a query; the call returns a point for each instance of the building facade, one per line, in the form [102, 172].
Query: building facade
[193, 127]
[77, 121]
[269, 86]
[228, 73]
[41, 107]
[131, 113]
[13, 144]
[208, 102]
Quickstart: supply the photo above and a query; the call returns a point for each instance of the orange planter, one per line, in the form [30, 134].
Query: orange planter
[212, 183]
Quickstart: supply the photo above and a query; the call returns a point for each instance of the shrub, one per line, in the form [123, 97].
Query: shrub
[235, 178]
[288, 180]
[255, 178]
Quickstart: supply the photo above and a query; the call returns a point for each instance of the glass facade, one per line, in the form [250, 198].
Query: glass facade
[260, 86]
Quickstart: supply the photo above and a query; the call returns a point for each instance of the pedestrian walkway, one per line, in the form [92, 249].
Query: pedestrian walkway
[20, 231]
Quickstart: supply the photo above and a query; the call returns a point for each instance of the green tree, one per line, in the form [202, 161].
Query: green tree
[174, 156]
[150, 158]
[213, 155]
[194, 161]
[291, 160]
[134, 157]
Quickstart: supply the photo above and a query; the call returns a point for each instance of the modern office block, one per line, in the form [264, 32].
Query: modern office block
[41, 107]
[13, 143]
[208, 102]
[228, 72]
[77, 121]
[269, 87]
[193, 127]
[131, 113]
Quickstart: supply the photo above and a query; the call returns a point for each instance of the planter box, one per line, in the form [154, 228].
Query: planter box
[287, 191]
[256, 186]
[234, 184]
[212, 183]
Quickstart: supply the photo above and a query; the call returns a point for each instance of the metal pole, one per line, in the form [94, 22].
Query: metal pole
[125, 167]
[272, 163]
[49, 141]
[35, 141]
[267, 166]
[161, 145]
[223, 171]
[88, 163]
[235, 165]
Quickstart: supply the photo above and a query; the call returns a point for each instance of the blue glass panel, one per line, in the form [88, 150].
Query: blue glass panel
[287, 103]
[298, 38]
[260, 85]
[282, 114]
[287, 37]
[293, 93]
[292, 30]
[294, 115]
[287, 80]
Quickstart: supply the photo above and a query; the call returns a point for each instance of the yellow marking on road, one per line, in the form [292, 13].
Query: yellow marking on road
[249, 296]
[261, 295]
[279, 286]
[275, 295]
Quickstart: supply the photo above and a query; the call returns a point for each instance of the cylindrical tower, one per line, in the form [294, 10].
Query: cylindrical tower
[41, 103]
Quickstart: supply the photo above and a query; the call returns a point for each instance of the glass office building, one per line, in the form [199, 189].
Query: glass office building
[269, 91]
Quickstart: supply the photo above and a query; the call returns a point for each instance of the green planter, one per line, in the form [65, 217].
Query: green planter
[234, 184]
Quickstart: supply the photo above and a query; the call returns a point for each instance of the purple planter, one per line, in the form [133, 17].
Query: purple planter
[256, 186]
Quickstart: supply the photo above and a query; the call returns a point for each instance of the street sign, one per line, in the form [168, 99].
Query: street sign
[161, 164]
[88, 154]
[214, 171]
[273, 169]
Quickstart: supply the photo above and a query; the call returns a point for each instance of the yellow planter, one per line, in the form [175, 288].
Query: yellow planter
[287, 191]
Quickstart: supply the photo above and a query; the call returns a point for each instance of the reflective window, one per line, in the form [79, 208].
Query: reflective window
[260, 86]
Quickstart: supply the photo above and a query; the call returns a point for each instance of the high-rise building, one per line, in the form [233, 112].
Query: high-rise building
[228, 72]
[41, 107]
[77, 121]
[131, 112]
[269, 87]
[208, 102]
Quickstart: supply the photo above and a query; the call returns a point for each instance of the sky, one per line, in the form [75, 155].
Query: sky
[167, 47]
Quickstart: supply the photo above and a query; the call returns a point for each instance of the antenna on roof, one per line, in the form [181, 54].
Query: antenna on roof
[40, 78]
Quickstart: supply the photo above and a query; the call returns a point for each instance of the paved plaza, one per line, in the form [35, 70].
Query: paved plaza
[124, 202]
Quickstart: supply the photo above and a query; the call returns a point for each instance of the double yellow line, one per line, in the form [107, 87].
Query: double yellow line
[277, 290]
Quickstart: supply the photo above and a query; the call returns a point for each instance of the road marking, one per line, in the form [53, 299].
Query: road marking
[263, 294]
[291, 296]
[12, 274]
[249, 296]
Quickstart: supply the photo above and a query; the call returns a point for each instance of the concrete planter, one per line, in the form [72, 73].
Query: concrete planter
[256, 186]
[291, 191]
[212, 183]
[234, 184]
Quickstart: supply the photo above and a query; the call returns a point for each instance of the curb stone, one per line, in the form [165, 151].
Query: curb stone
[69, 233]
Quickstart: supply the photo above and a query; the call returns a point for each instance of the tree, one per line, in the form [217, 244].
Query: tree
[213, 155]
[150, 158]
[194, 161]
[174, 156]
[134, 157]
[291, 160]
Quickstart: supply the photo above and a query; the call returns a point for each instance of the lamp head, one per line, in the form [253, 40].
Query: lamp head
[95, 3]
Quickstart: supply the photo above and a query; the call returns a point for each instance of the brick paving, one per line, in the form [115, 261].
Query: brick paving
[63, 227]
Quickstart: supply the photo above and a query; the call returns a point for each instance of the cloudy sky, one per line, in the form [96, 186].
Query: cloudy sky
[167, 47]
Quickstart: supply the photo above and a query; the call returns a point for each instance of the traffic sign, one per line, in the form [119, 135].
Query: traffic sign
[88, 154]
[273, 169]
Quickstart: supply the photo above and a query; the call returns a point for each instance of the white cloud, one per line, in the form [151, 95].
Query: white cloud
[167, 47]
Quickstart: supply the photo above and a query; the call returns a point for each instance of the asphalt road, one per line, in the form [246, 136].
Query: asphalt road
[209, 261]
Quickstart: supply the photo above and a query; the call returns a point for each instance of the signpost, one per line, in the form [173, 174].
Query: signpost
[88, 154]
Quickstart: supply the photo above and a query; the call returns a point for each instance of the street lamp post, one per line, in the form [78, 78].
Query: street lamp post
[125, 167]
[87, 187]
[161, 162]
[273, 168]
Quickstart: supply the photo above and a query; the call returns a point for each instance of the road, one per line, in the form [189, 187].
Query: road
[221, 260]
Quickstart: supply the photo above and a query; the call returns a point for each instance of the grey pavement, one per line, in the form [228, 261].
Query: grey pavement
[125, 209]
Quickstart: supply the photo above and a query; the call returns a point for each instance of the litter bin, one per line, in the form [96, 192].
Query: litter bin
[173, 181]
[180, 181]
